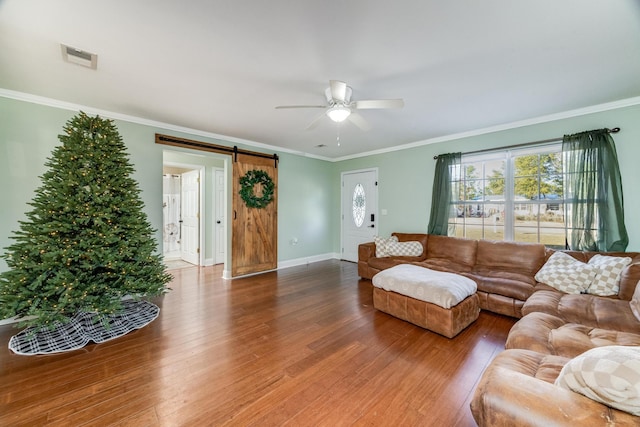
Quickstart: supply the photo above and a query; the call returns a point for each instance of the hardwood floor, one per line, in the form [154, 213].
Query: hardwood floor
[301, 347]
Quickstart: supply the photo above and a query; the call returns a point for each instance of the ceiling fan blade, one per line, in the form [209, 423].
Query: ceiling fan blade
[315, 122]
[359, 121]
[280, 107]
[379, 103]
[338, 90]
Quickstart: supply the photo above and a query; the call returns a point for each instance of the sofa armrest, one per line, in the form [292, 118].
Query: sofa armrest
[508, 397]
[629, 279]
[366, 251]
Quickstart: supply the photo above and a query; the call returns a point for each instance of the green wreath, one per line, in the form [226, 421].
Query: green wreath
[249, 181]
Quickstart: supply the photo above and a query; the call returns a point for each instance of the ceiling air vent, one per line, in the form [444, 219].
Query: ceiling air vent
[79, 57]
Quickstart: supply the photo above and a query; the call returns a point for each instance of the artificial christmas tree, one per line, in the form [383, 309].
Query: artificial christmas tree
[87, 243]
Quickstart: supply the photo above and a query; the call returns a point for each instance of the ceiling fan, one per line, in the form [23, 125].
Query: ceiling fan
[340, 107]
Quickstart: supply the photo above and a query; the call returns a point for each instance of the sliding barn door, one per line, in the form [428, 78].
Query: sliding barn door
[255, 230]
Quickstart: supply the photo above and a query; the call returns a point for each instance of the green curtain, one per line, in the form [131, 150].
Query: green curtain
[593, 193]
[445, 181]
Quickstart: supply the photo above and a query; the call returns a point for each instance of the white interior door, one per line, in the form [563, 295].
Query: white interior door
[220, 209]
[359, 211]
[190, 221]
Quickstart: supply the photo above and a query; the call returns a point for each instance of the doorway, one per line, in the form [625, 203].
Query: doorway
[182, 213]
[213, 237]
[359, 210]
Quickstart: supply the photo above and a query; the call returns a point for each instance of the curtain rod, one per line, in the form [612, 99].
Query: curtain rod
[525, 144]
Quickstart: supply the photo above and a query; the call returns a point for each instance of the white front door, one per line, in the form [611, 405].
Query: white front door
[220, 208]
[190, 221]
[359, 211]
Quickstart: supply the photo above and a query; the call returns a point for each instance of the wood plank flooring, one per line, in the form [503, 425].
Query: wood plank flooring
[299, 347]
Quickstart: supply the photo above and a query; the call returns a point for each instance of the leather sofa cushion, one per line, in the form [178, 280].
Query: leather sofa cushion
[549, 334]
[391, 261]
[515, 390]
[526, 258]
[452, 249]
[443, 264]
[510, 284]
[585, 309]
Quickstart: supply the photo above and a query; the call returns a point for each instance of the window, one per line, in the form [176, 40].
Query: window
[514, 195]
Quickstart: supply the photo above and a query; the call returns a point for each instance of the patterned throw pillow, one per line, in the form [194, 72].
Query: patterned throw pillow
[381, 245]
[411, 248]
[609, 375]
[607, 281]
[635, 302]
[567, 274]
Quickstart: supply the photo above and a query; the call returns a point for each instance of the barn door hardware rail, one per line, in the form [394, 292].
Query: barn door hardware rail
[212, 148]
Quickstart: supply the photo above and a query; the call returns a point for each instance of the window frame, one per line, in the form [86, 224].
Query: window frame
[509, 202]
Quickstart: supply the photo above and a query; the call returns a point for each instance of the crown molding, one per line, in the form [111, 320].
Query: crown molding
[628, 102]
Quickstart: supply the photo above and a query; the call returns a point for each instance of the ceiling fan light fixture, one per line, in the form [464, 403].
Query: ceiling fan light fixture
[339, 113]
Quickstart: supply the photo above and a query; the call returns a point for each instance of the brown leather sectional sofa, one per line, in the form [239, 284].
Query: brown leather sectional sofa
[504, 271]
[518, 386]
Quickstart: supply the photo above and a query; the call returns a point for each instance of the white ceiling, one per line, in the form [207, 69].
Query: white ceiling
[222, 66]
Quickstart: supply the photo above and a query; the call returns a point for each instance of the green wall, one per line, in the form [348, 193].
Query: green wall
[405, 177]
[29, 132]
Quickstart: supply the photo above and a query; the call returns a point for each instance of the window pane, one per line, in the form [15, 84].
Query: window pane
[494, 189]
[526, 223]
[459, 231]
[494, 231]
[473, 190]
[553, 237]
[473, 231]
[551, 176]
[472, 181]
[526, 188]
[494, 169]
[359, 205]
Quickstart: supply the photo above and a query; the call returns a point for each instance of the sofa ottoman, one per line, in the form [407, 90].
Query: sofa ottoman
[548, 334]
[444, 303]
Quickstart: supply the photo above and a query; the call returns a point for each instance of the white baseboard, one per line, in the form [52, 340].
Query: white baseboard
[226, 274]
[308, 260]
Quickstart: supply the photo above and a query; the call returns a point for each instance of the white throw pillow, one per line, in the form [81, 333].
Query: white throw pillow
[381, 245]
[609, 375]
[411, 248]
[607, 281]
[567, 274]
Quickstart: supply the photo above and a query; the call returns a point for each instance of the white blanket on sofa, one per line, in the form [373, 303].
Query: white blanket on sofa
[436, 287]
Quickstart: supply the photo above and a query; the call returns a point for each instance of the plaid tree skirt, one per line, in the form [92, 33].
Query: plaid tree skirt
[82, 328]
